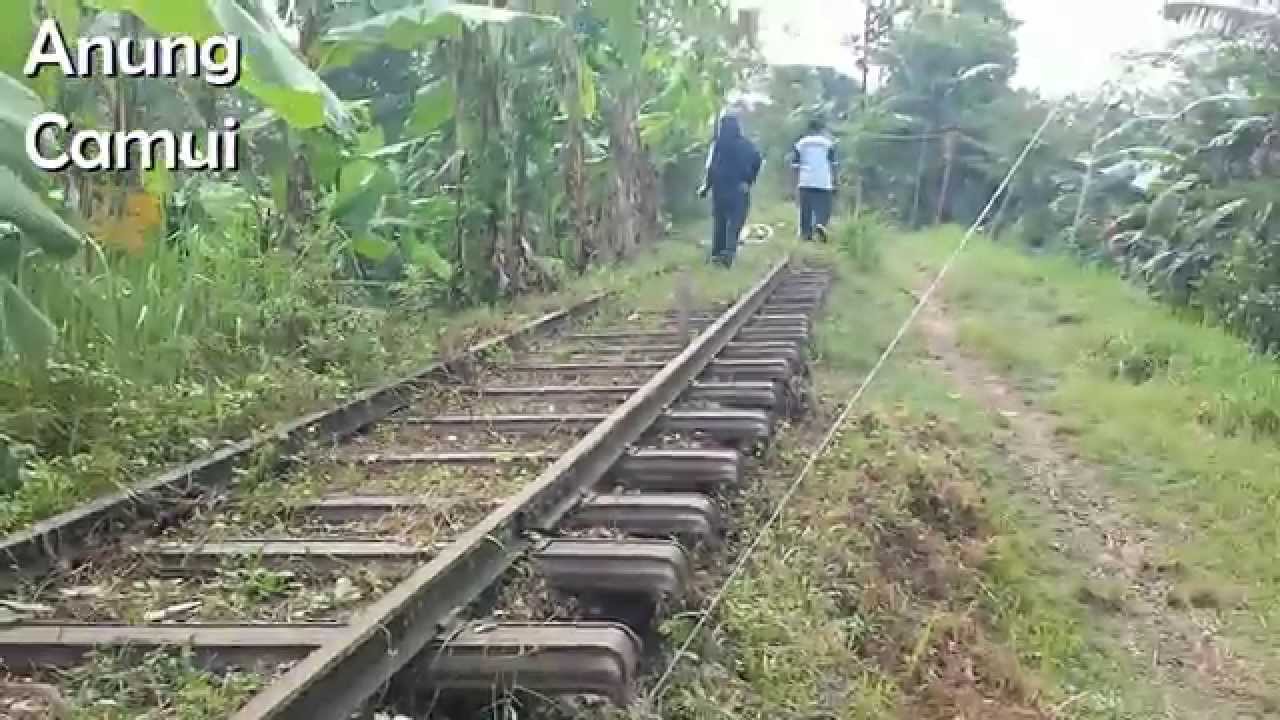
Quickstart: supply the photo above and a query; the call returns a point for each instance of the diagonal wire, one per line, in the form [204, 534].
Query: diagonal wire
[817, 454]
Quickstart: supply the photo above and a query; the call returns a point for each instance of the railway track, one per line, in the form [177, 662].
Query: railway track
[549, 489]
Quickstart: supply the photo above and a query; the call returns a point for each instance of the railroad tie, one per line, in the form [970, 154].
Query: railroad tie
[596, 462]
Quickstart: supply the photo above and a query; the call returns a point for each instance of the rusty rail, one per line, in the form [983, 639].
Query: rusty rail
[671, 427]
[337, 679]
[62, 538]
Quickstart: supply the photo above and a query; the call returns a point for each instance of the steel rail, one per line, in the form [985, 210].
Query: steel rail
[63, 538]
[338, 678]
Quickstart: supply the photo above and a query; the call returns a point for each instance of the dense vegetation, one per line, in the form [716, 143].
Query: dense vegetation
[405, 160]
[1173, 187]
[402, 159]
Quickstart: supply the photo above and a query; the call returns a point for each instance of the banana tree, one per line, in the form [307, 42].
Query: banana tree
[527, 92]
[28, 223]
[1228, 16]
[485, 62]
[276, 77]
[1201, 209]
[272, 72]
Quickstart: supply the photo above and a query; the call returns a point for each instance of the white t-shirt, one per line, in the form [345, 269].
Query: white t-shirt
[814, 156]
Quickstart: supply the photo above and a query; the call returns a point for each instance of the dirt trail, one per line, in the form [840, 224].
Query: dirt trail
[1113, 557]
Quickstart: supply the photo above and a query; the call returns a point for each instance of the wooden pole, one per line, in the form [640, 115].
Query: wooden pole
[949, 156]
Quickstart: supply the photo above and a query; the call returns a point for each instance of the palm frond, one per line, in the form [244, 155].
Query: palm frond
[1227, 16]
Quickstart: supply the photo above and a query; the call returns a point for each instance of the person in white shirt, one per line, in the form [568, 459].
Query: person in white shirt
[814, 160]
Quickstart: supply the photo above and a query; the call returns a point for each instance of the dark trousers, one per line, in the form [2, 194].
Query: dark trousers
[728, 215]
[815, 210]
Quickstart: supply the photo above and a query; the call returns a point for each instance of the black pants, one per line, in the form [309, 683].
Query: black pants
[815, 210]
[728, 215]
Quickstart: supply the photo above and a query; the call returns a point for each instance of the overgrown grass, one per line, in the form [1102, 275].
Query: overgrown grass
[1182, 416]
[158, 685]
[899, 584]
[165, 356]
[142, 416]
[901, 580]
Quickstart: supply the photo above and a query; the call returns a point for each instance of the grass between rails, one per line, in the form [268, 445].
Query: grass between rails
[99, 418]
[115, 686]
[1184, 418]
[903, 579]
[167, 685]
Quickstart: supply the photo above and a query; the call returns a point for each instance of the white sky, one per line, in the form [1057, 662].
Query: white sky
[1064, 46]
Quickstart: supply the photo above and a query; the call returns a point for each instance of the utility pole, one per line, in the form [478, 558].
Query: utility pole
[864, 62]
[877, 23]
[747, 27]
[949, 157]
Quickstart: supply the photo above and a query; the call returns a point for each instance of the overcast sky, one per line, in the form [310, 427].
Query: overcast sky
[1064, 46]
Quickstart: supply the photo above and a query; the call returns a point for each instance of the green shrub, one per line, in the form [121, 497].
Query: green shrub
[860, 239]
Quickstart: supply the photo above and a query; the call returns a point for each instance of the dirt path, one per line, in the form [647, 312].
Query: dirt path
[1113, 557]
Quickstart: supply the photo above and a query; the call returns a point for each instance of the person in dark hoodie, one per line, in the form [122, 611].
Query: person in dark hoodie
[732, 169]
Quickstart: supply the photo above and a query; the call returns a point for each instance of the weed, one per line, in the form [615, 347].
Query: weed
[898, 582]
[1108, 595]
[1182, 415]
[1205, 593]
[117, 686]
[145, 379]
[862, 602]
[860, 239]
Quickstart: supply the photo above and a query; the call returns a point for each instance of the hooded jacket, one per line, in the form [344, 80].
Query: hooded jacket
[734, 160]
